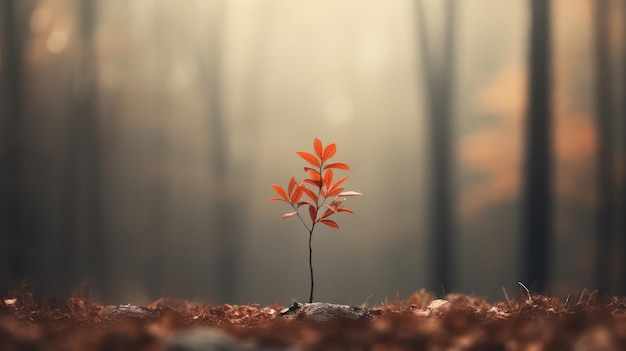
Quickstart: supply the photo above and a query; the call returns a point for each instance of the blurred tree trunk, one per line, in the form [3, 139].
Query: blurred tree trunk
[159, 195]
[226, 216]
[605, 175]
[82, 245]
[96, 242]
[439, 88]
[157, 257]
[230, 202]
[158, 227]
[18, 247]
[537, 191]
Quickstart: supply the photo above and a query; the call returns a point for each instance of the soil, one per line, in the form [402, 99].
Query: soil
[422, 322]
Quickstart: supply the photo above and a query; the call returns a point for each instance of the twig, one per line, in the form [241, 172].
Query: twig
[366, 300]
[527, 291]
[508, 301]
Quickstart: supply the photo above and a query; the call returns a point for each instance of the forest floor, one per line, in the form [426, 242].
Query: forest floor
[422, 322]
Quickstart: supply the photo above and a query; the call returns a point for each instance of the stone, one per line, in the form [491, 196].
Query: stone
[322, 312]
[127, 312]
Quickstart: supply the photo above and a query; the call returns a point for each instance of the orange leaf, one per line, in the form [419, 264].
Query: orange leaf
[297, 194]
[312, 213]
[338, 165]
[280, 191]
[292, 184]
[345, 210]
[310, 158]
[309, 169]
[341, 180]
[302, 203]
[315, 183]
[317, 145]
[328, 178]
[310, 193]
[329, 212]
[335, 192]
[315, 175]
[330, 223]
[289, 214]
[329, 152]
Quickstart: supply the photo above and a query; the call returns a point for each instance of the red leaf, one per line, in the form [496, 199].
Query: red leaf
[315, 175]
[309, 169]
[341, 180]
[280, 191]
[328, 178]
[312, 213]
[335, 192]
[302, 203]
[310, 158]
[329, 212]
[329, 152]
[297, 194]
[317, 145]
[310, 193]
[338, 165]
[289, 214]
[330, 223]
[350, 193]
[315, 183]
[345, 210]
[292, 184]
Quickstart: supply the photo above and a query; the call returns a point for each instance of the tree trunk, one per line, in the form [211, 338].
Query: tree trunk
[439, 87]
[226, 215]
[158, 248]
[605, 220]
[18, 249]
[81, 242]
[537, 191]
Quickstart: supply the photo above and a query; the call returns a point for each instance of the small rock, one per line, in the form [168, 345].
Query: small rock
[322, 311]
[127, 312]
[439, 305]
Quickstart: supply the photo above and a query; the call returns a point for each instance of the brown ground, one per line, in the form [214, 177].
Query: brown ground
[421, 322]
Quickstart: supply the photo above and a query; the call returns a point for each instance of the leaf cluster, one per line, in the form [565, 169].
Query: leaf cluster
[319, 193]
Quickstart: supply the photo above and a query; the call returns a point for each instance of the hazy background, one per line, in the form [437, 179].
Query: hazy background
[139, 140]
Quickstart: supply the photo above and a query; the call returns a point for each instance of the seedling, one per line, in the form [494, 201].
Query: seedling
[323, 197]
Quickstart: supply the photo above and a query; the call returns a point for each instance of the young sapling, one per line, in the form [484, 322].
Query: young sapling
[324, 198]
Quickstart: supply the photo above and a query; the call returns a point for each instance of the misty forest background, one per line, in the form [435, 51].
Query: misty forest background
[139, 141]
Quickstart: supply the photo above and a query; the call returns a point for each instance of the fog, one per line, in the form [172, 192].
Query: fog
[141, 140]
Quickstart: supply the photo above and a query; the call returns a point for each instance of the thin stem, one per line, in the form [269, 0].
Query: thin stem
[302, 220]
[317, 208]
[311, 265]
